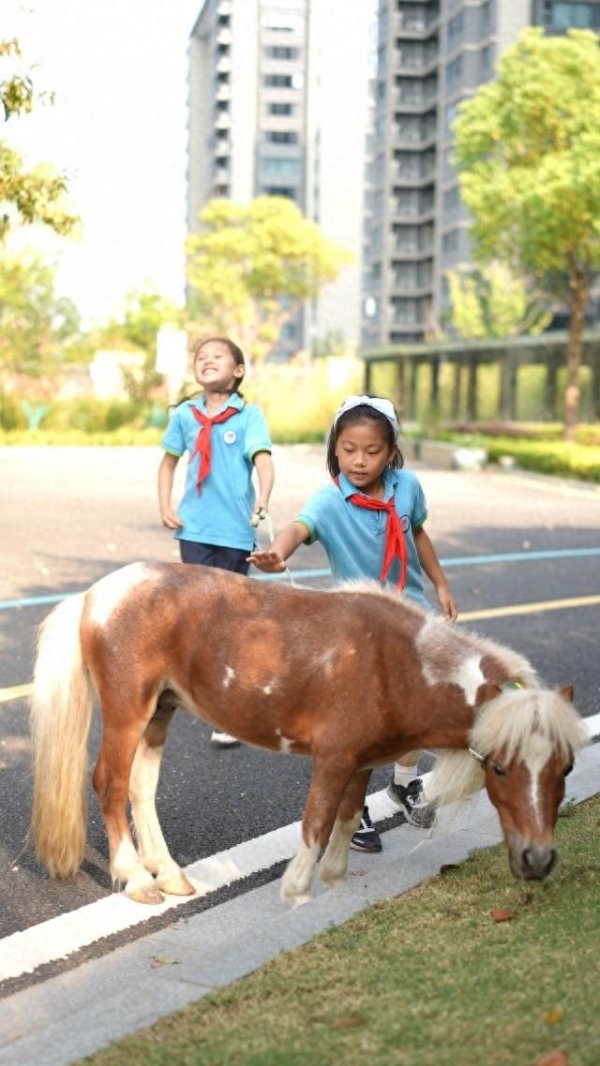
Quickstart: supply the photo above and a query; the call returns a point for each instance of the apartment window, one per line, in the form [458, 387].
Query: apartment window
[282, 24]
[281, 51]
[278, 81]
[486, 58]
[280, 190]
[287, 167]
[452, 199]
[281, 137]
[451, 113]
[455, 28]
[281, 109]
[408, 202]
[566, 16]
[454, 70]
[450, 241]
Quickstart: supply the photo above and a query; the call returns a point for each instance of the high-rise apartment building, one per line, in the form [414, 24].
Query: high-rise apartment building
[431, 54]
[278, 105]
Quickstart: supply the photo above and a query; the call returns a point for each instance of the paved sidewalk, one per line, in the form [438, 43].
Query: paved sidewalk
[76, 1013]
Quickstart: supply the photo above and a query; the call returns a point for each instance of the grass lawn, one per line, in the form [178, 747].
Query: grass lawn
[472, 968]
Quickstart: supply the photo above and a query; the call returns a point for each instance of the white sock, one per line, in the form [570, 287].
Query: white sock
[403, 775]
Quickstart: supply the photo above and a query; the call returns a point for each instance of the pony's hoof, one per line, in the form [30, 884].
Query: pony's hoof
[334, 881]
[176, 885]
[294, 900]
[146, 895]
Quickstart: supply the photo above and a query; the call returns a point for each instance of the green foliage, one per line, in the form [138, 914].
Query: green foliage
[253, 266]
[38, 194]
[12, 415]
[492, 302]
[561, 458]
[36, 326]
[528, 153]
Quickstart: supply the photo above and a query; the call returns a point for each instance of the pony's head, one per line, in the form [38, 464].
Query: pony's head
[524, 741]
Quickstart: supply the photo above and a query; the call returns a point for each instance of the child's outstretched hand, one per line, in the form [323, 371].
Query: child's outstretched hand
[269, 561]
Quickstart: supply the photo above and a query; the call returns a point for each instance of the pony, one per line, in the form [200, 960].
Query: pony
[352, 677]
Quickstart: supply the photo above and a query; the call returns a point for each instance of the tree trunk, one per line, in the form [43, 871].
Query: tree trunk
[572, 393]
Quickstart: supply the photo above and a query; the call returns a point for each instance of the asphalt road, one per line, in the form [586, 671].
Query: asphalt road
[71, 515]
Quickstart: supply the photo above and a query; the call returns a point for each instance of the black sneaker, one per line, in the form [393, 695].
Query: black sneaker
[366, 837]
[412, 803]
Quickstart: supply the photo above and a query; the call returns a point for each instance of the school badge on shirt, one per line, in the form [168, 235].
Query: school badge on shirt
[230, 436]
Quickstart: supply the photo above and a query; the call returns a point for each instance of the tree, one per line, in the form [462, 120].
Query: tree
[492, 302]
[254, 266]
[528, 154]
[35, 324]
[37, 194]
[145, 314]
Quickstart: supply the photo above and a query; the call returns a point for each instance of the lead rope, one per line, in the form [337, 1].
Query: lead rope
[262, 515]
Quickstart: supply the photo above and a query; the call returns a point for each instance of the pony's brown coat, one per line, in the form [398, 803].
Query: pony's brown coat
[353, 677]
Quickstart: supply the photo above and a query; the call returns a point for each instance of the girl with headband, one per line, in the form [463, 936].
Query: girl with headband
[370, 519]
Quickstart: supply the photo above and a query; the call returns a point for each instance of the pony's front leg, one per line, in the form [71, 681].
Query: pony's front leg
[327, 787]
[152, 848]
[111, 783]
[333, 870]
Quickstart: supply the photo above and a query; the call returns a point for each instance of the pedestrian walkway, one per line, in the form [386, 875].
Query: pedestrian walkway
[61, 1020]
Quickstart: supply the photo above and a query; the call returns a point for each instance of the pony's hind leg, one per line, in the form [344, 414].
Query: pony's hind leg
[111, 783]
[333, 868]
[327, 787]
[152, 849]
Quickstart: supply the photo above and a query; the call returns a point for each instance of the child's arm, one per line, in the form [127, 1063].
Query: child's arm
[273, 560]
[166, 475]
[431, 566]
[265, 473]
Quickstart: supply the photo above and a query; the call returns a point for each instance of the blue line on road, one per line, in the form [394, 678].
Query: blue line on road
[301, 575]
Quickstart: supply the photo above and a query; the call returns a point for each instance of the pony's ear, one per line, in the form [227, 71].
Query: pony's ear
[568, 692]
[488, 692]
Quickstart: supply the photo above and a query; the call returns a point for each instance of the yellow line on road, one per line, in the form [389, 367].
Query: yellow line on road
[15, 693]
[20, 691]
[530, 608]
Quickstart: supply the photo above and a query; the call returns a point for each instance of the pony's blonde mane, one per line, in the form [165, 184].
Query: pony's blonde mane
[506, 725]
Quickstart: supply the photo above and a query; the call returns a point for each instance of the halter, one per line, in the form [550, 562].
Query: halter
[506, 686]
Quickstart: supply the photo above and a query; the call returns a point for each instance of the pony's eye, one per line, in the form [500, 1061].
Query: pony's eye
[567, 770]
[498, 770]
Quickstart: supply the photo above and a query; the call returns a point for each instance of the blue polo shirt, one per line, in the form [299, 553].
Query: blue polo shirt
[354, 538]
[220, 515]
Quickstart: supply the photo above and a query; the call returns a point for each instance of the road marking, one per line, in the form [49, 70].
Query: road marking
[17, 692]
[530, 608]
[302, 575]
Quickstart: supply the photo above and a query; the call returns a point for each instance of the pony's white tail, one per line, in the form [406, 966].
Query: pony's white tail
[61, 711]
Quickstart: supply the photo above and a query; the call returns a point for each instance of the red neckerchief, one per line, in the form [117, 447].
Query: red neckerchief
[395, 542]
[202, 445]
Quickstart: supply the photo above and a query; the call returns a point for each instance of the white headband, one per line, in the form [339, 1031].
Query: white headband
[384, 407]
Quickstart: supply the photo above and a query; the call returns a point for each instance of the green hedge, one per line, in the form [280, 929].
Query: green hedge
[548, 457]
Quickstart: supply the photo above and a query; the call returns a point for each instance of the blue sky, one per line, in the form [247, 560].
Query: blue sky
[118, 69]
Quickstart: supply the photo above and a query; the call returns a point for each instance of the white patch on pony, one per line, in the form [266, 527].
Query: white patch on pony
[285, 745]
[104, 597]
[536, 755]
[125, 864]
[229, 676]
[468, 675]
[296, 881]
[267, 690]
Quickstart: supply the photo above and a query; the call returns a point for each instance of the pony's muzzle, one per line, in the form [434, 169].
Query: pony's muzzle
[533, 862]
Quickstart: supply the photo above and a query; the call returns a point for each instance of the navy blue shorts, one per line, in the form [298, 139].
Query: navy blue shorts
[214, 555]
